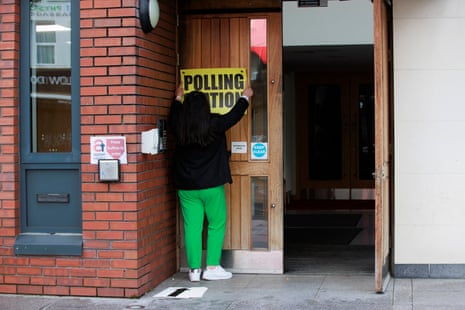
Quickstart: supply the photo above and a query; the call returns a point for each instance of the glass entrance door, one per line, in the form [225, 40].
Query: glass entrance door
[336, 138]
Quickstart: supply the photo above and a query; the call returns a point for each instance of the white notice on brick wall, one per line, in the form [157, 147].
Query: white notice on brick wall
[108, 147]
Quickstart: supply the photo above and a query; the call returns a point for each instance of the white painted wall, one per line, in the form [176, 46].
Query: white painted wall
[342, 22]
[429, 103]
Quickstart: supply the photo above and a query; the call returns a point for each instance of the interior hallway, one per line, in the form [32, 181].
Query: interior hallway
[329, 243]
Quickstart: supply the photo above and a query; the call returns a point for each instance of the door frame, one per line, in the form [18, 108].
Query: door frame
[383, 129]
[383, 141]
[201, 40]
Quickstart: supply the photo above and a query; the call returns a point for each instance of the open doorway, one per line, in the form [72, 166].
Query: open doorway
[329, 135]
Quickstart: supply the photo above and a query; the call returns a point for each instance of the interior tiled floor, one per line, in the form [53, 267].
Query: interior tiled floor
[334, 243]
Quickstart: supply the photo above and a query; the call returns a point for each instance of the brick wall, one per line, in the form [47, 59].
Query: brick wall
[9, 144]
[129, 227]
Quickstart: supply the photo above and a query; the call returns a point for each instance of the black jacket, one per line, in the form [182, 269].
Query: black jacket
[197, 167]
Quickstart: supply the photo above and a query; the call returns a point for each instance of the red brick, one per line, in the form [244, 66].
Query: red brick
[69, 282]
[40, 261]
[110, 100]
[124, 263]
[109, 196]
[94, 282]
[7, 289]
[97, 262]
[131, 255]
[121, 51]
[92, 225]
[133, 293]
[101, 71]
[10, 279]
[110, 273]
[108, 80]
[93, 13]
[96, 244]
[123, 225]
[93, 33]
[93, 91]
[29, 270]
[107, 61]
[110, 292]
[124, 245]
[30, 289]
[68, 262]
[109, 216]
[107, 22]
[56, 272]
[111, 254]
[43, 281]
[108, 119]
[82, 272]
[83, 291]
[124, 283]
[109, 235]
[56, 290]
[107, 4]
[122, 12]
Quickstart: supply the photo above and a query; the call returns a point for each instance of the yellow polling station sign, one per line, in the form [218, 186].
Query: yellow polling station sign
[224, 86]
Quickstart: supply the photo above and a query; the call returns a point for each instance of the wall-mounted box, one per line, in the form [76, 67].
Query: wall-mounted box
[150, 140]
[108, 170]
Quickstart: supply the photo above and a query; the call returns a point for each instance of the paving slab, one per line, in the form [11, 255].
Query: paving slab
[251, 291]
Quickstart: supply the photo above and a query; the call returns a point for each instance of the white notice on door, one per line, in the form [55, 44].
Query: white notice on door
[239, 147]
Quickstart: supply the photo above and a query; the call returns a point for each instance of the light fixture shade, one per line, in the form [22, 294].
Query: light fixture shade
[154, 13]
[149, 14]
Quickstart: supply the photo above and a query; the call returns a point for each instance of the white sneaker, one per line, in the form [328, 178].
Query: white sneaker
[217, 273]
[194, 275]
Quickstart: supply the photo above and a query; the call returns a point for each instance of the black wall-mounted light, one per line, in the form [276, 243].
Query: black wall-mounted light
[312, 3]
[149, 13]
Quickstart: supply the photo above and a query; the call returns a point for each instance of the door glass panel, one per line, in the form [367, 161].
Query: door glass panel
[325, 132]
[258, 78]
[259, 212]
[366, 134]
[50, 82]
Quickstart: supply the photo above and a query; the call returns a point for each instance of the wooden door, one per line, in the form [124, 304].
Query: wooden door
[254, 237]
[382, 142]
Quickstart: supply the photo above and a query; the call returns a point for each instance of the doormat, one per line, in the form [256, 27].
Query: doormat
[182, 292]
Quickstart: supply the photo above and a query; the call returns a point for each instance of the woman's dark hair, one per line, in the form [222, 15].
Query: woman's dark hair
[194, 120]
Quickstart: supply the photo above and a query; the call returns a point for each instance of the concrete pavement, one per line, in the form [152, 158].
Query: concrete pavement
[272, 292]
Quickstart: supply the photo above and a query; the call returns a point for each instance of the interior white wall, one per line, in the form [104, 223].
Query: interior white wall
[429, 92]
[340, 23]
[289, 143]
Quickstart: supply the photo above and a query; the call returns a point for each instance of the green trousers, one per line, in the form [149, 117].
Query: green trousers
[194, 205]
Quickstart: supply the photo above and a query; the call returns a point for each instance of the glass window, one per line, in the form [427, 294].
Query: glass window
[45, 42]
[325, 132]
[258, 81]
[260, 212]
[50, 79]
